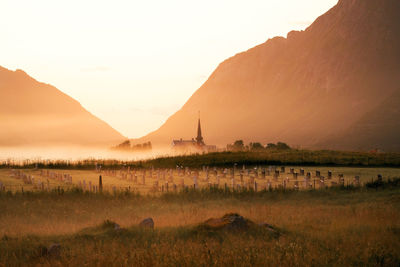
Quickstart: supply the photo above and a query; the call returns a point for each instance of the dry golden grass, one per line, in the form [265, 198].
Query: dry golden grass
[109, 182]
[321, 228]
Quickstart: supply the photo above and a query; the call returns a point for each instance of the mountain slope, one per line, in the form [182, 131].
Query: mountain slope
[379, 128]
[34, 113]
[302, 89]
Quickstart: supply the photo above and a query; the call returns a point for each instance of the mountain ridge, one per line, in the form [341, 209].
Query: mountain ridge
[302, 89]
[36, 113]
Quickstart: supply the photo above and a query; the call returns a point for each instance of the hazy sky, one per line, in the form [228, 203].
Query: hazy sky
[134, 63]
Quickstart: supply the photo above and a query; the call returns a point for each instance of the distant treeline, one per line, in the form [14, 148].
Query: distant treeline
[239, 145]
[292, 157]
[126, 146]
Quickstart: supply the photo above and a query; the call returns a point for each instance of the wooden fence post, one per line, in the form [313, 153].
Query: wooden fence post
[100, 184]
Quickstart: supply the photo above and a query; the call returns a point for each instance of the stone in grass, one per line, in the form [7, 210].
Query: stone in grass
[236, 222]
[147, 223]
[230, 221]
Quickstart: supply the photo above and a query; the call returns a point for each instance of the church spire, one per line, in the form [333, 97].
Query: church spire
[199, 137]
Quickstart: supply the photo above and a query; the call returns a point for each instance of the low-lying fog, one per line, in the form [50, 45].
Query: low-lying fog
[75, 153]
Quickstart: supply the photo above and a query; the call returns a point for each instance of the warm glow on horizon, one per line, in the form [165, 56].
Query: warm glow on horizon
[135, 63]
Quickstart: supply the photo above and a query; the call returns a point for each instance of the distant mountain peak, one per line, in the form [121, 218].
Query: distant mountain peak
[34, 113]
[305, 88]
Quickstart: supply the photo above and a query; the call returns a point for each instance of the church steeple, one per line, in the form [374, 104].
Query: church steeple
[199, 138]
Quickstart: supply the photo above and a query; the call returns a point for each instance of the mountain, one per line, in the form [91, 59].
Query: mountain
[313, 89]
[34, 113]
[379, 128]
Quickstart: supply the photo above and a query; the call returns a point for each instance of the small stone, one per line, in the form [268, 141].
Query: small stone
[147, 223]
[117, 227]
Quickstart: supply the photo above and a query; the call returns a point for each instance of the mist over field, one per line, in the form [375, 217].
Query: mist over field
[74, 153]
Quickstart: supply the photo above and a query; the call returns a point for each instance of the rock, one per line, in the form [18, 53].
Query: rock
[231, 221]
[117, 227]
[147, 223]
[234, 221]
[54, 250]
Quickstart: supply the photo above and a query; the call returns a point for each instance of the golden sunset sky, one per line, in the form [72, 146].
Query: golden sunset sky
[134, 63]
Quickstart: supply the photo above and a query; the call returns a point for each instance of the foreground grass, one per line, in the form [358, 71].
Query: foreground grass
[335, 227]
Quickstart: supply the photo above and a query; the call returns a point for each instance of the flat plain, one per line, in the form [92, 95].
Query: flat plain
[333, 226]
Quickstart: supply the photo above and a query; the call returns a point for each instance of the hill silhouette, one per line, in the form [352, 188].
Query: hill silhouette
[34, 113]
[317, 88]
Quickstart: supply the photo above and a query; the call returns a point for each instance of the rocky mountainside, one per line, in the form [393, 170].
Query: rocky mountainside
[34, 113]
[312, 89]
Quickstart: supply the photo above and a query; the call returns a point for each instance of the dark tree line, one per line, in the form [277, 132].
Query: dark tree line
[239, 145]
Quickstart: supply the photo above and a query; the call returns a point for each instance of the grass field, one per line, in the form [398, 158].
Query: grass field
[293, 157]
[331, 227]
[318, 224]
[123, 179]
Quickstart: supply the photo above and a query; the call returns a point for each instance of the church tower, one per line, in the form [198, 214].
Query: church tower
[199, 138]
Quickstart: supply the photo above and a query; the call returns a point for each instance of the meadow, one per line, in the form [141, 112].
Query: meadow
[293, 157]
[159, 180]
[327, 220]
[345, 226]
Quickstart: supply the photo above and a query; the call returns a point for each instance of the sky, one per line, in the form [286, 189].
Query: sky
[135, 63]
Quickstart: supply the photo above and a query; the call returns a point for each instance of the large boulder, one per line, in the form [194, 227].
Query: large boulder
[230, 221]
[147, 223]
[236, 222]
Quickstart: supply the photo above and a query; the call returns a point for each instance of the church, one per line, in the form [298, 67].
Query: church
[195, 145]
